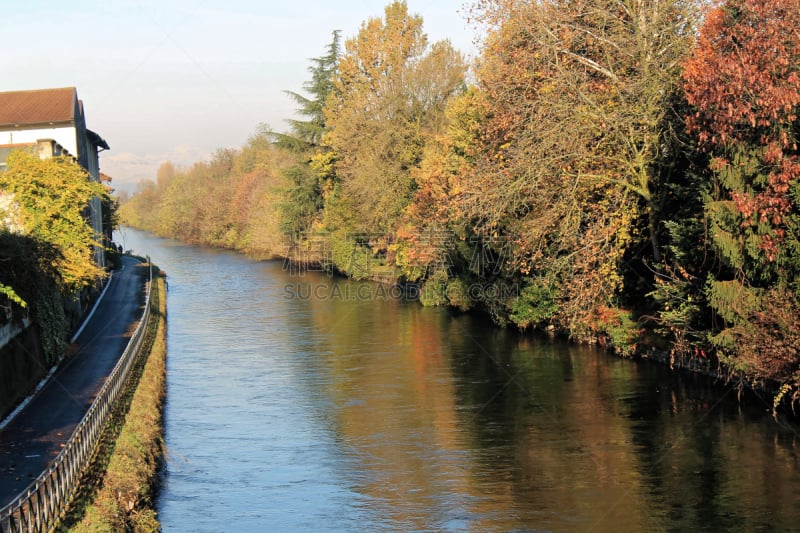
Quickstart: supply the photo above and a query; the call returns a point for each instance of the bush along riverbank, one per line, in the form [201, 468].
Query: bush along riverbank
[117, 492]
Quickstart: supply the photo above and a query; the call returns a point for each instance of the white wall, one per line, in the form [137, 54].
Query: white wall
[63, 135]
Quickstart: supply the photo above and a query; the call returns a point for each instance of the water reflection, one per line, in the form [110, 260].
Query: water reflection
[318, 411]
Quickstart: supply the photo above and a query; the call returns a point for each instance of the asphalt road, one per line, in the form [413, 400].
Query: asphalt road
[36, 435]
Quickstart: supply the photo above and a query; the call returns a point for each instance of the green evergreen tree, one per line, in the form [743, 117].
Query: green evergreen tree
[303, 198]
[307, 134]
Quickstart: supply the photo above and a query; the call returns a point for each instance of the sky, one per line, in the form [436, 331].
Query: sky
[175, 80]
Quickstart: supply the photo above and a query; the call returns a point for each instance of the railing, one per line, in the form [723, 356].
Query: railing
[39, 507]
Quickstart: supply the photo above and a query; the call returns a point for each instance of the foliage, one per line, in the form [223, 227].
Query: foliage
[458, 295]
[138, 210]
[434, 290]
[618, 329]
[303, 197]
[231, 201]
[110, 207]
[302, 200]
[53, 195]
[52, 257]
[352, 254]
[48, 313]
[536, 304]
[613, 165]
[308, 134]
[388, 97]
[428, 231]
[744, 85]
[11, 295]
[31, 267]
[578, 136]
[680, 306]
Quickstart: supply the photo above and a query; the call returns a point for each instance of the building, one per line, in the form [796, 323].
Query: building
[51, 122]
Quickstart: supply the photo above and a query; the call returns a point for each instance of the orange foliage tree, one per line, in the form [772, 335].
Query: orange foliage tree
[744, 85]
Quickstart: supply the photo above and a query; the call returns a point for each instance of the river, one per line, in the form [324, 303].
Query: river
[310, 403]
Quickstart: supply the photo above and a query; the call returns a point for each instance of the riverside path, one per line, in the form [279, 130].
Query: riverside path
[34, 437]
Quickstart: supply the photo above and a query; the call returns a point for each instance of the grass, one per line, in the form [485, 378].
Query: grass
[117, 491]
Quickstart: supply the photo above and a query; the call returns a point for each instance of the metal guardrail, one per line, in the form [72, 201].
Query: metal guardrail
[39, 507]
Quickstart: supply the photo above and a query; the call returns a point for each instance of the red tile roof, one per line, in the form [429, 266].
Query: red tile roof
[42, 106]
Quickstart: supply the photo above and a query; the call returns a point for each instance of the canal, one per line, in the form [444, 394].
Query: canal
[305, 402]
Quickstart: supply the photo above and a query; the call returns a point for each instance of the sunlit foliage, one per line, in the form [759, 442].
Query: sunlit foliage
[231, 201]
[53, 196]
[578, 140]
[388, 97]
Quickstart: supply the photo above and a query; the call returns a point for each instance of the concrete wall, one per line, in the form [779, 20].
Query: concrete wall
[22, 365]
[10, 330]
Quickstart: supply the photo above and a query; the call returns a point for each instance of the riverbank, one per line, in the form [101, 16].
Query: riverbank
[118, 490]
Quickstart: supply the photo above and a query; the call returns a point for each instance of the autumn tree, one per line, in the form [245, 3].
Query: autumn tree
[434, 238]
[136, 209]
[140, 210]
[230, 201]
[47, 250]
[388, 97]
[579, 137]
[743, 82]
[165, 174]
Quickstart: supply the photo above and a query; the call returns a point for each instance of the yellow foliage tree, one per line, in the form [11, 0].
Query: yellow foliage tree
[53, 197]
[388, 97]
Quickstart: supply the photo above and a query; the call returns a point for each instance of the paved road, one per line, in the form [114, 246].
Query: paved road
[35, 436]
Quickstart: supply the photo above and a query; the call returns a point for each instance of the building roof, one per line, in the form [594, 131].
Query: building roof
[97, 140]
[43, 106]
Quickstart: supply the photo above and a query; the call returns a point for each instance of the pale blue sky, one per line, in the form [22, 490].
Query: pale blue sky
[177, 79]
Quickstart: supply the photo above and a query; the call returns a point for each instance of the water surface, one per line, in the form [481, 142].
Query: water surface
[318, 404]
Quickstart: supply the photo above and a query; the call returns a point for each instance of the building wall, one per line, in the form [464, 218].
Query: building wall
[92, 165]
[64, 135]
